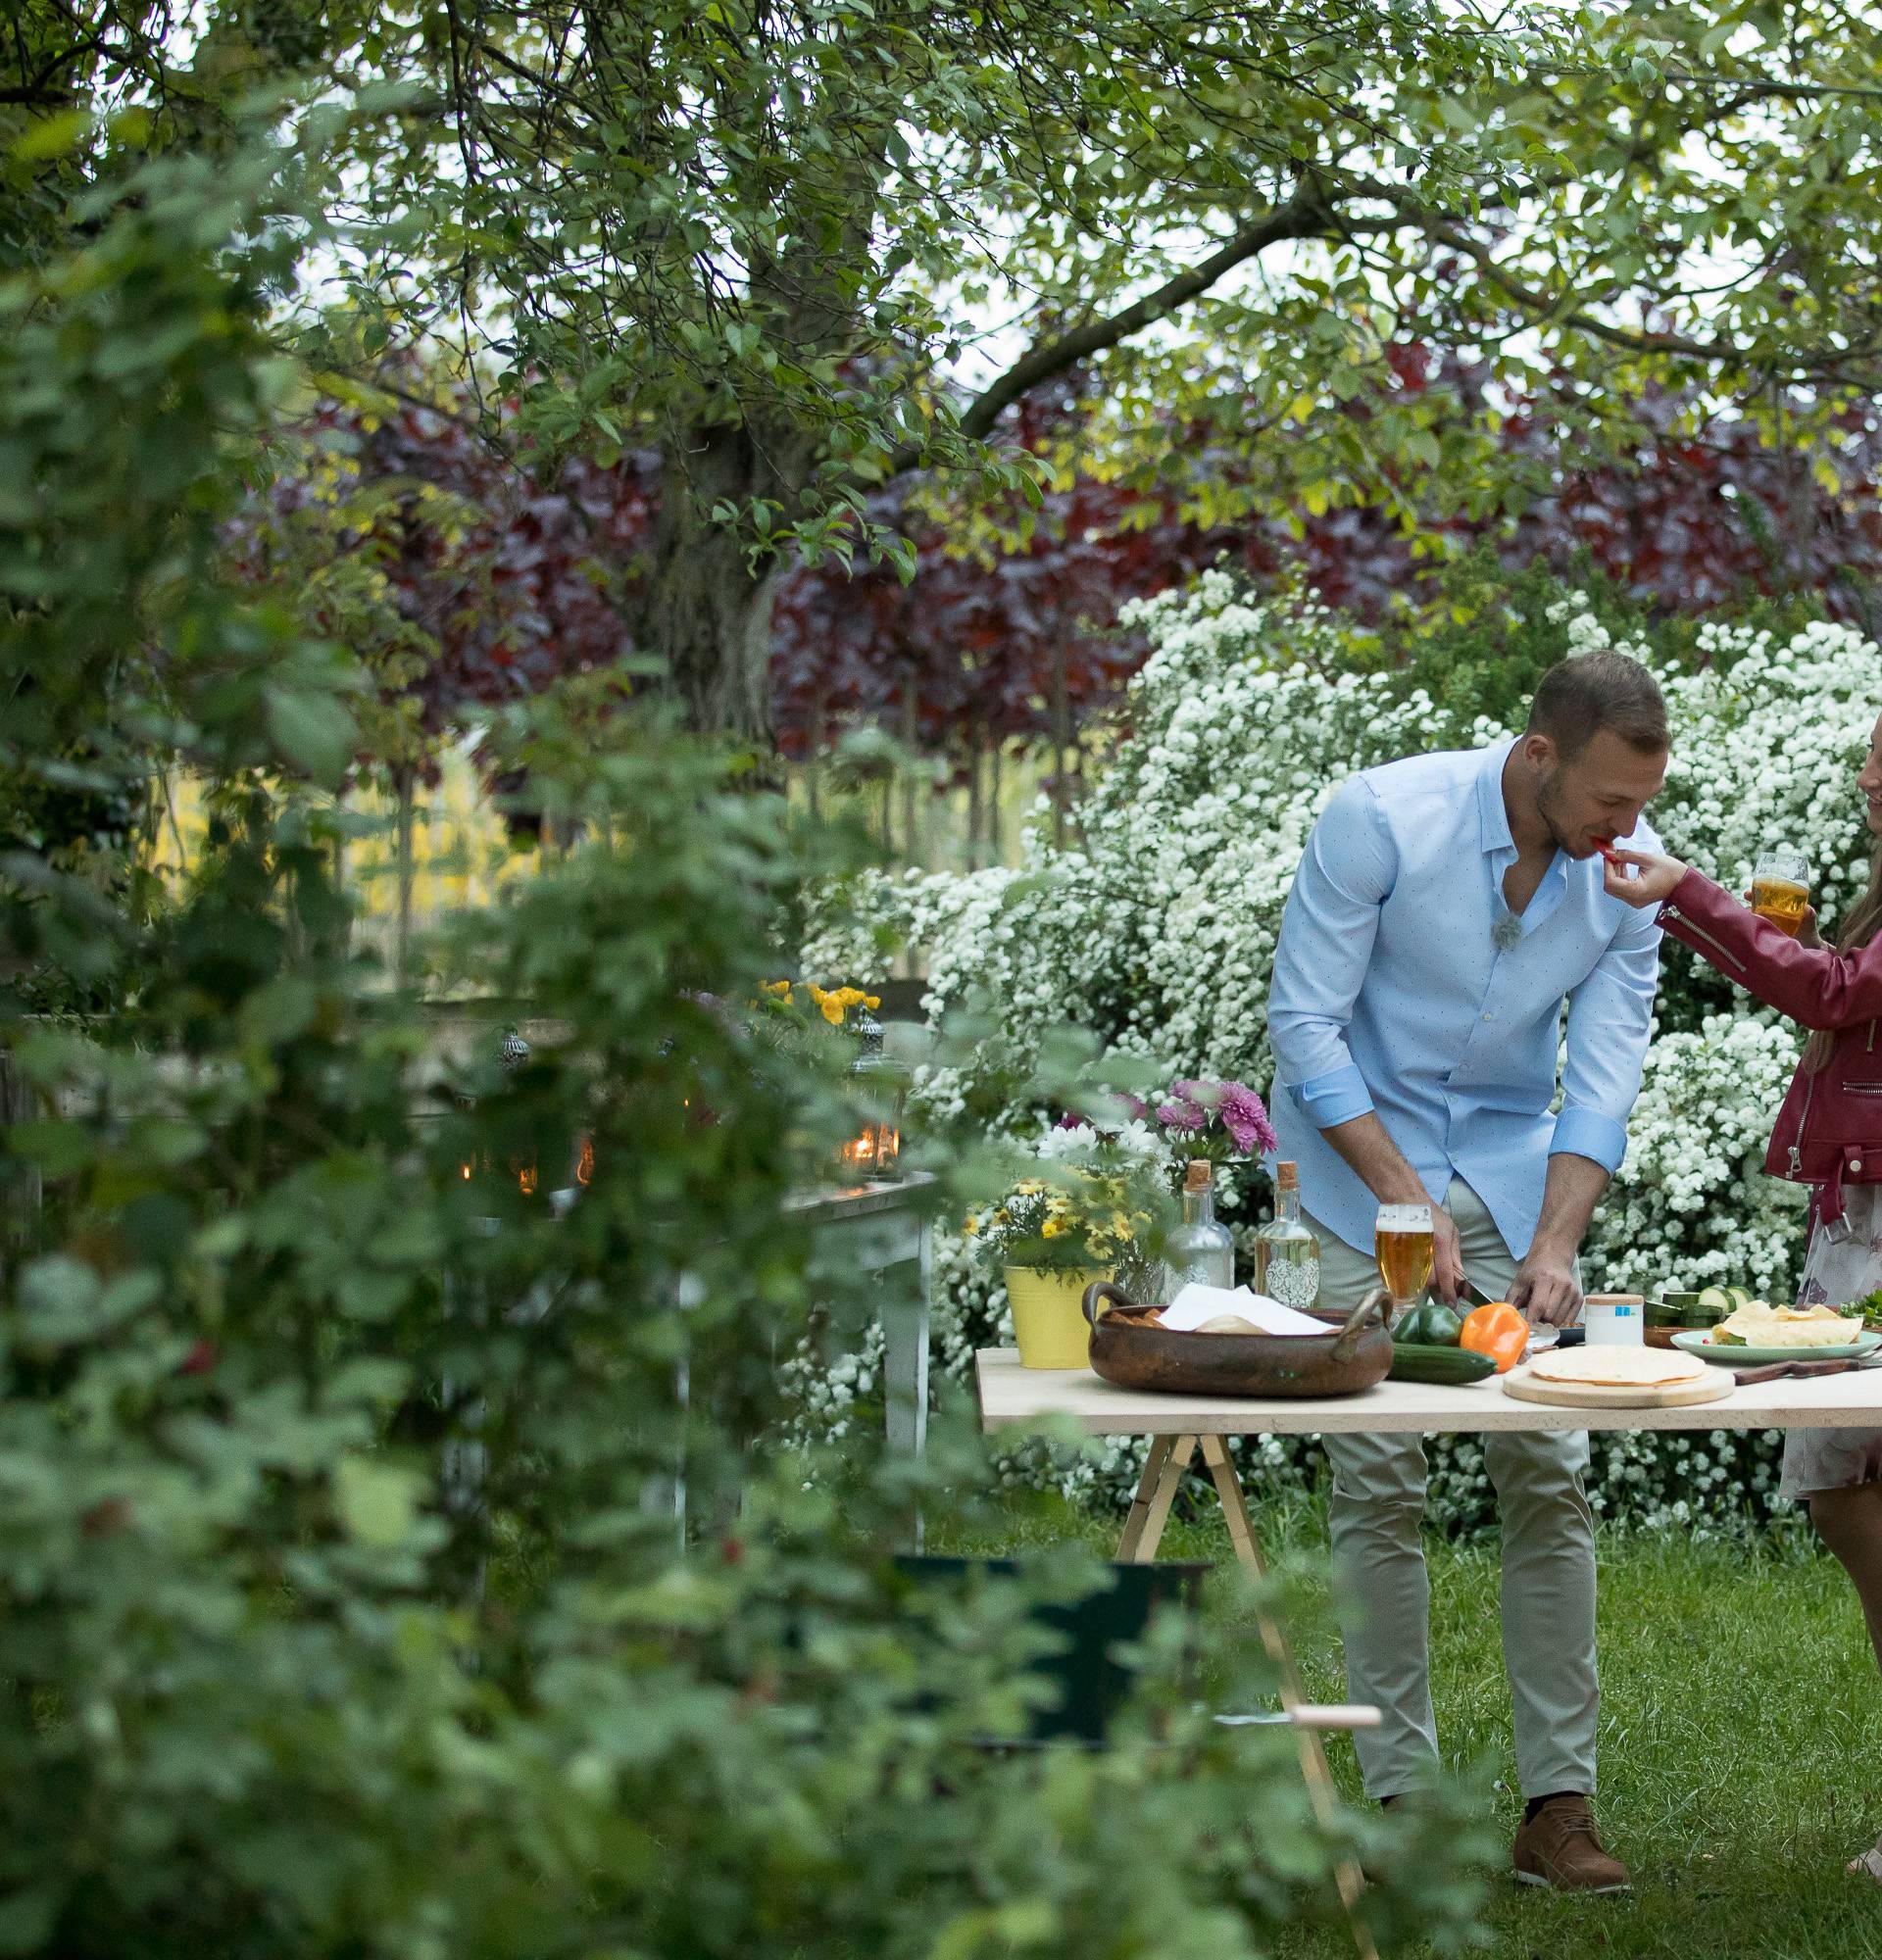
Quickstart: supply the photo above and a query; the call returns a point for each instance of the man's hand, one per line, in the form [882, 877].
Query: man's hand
[1545, 1290]
[1446, 1259]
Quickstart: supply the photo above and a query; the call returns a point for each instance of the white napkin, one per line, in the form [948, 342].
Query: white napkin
[1195, 1303]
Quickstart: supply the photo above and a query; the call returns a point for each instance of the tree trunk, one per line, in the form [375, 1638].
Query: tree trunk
[706, 614]
[974, 806]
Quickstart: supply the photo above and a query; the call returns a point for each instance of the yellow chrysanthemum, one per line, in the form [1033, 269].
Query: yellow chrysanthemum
[871, 1002]
[1053, 1227]
[972, 1225]
[781, 988]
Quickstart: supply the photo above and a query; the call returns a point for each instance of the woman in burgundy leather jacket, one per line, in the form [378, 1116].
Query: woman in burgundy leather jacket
[1828, 1135]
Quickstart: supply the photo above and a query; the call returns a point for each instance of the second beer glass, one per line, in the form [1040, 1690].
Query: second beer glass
[1781, 887]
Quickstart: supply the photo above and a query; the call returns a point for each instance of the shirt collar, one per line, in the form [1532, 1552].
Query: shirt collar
[1493, 820]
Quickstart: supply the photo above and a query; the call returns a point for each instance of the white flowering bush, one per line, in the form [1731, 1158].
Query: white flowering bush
[1157, 931]
[1691, 1207]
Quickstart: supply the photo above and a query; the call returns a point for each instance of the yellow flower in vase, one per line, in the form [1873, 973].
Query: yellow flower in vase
[1053, 1227]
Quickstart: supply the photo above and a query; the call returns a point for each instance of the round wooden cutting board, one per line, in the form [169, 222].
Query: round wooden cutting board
[1712, 1387]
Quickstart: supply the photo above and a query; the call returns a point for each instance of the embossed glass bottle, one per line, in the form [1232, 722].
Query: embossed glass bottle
[1199, 1248]
[1287, 1255]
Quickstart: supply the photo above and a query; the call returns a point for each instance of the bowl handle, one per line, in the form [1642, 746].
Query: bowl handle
[1103, 1293]
[1378, 1298]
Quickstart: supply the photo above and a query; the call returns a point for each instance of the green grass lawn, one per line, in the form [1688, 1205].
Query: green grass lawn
[1741, 1738]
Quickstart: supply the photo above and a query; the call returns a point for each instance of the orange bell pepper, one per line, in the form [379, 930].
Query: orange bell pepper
[1499, 1331]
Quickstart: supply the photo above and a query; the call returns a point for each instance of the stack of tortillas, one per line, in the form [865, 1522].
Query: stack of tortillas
[1618, 1378]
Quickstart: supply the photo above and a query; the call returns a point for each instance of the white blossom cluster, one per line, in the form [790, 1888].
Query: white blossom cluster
[1691, 1205]
[1157, 932]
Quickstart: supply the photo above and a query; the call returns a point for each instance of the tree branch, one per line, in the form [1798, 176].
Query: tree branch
[1304, 214]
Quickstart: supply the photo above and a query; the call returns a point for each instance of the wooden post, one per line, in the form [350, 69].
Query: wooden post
[401, 950]
[911, 728]
[1061, 738]
[814, 759]
[994, 851]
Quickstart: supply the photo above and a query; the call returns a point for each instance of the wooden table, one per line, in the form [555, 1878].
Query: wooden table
[1016, 1397]
[1012, 1398]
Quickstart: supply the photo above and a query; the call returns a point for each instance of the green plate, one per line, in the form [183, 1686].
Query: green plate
[1858, 1350]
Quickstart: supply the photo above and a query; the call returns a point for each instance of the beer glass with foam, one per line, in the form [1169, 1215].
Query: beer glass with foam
[1402, 1240]
[1781, 887]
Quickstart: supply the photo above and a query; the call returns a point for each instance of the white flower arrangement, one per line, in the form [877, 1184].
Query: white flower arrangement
[1158, 931]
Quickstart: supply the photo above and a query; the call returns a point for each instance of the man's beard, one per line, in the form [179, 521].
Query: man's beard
[1547, 807]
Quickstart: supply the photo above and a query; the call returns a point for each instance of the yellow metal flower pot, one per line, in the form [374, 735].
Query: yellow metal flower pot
[1047, 1320]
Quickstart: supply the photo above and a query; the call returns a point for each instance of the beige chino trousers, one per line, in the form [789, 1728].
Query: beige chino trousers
[1383, 1596]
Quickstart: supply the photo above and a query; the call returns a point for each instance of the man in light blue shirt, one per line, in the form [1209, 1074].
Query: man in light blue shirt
[1446, 907]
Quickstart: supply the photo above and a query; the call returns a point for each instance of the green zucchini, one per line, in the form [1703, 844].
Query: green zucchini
[1450, 1367]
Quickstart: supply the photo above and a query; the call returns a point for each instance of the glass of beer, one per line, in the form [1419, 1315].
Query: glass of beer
[1781, 887]
[1402, 1244]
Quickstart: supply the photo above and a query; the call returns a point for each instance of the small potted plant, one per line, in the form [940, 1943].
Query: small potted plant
[1086, 1211]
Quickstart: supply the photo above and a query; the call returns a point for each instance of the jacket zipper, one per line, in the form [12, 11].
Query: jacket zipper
[1803, 1123]
[1699, 932]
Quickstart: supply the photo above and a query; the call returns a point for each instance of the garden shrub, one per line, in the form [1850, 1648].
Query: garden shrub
[344, 1606]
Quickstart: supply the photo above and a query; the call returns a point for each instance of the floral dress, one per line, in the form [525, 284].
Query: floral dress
[1838, 1270]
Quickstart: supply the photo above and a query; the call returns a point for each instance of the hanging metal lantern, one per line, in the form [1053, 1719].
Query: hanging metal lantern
[881, 1087]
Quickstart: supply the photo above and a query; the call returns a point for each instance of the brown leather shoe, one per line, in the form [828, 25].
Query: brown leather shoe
[1559, 1847]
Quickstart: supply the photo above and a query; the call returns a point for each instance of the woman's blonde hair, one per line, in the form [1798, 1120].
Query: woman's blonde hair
[1859, 930]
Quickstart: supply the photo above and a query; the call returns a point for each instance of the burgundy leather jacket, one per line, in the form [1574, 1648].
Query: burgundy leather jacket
[1829, 1130]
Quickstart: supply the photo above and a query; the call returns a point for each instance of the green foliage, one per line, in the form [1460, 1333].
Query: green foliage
[342, 1608]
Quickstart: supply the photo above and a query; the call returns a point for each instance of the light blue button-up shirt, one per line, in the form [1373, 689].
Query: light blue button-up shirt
[1391, 993]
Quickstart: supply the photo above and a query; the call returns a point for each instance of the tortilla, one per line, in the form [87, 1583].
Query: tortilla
[1618, 1367]
[1760, 1325]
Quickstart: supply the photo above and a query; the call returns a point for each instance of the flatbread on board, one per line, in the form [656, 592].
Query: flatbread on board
[1618, 1367]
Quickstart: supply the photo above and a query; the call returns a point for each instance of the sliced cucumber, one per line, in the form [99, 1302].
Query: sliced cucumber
[1715, 1297]
[1740, 1297]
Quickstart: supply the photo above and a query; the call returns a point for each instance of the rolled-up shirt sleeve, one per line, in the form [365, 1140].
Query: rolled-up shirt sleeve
[1610, 1017]
[1327, 929]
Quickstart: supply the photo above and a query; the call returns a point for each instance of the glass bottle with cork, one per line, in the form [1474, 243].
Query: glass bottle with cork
[1287, 1255]
[1199, 1248]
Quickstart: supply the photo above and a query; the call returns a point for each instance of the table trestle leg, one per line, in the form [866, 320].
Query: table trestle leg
[1314, 1772]
[1156, 1491]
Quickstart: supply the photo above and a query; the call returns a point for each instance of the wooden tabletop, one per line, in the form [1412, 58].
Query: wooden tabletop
[1013, 1397]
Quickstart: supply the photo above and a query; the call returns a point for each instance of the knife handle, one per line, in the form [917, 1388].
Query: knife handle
[1775, 1371]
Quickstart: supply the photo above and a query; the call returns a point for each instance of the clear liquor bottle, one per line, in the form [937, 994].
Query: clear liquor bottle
[1287, 1255]
[1199, 1248]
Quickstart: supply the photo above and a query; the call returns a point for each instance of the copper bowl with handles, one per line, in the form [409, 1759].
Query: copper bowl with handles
[1135, 1352]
